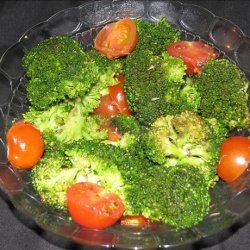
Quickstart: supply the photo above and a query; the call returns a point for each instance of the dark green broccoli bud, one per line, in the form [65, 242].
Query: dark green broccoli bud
[57, 69]
[223, 91]
[183, 139]
[184, 196]
[130, 130]
[103, 63]
[155, 36]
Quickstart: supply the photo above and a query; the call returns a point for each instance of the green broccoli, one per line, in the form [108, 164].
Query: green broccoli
[184, 139]
[103, 164]
[130, 131]
[136, 180]
[156, 86]
[67, 121]
[58, 68]
[223, 93]
[155, 36]
[182, 198]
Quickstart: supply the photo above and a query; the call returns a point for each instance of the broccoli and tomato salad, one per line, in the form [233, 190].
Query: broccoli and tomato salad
[135, 129]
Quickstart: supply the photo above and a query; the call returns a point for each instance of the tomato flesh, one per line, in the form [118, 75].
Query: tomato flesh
[234, 158]
[92, 206]
[117, 94]
[25, 145]
[195, 54]
[117, 39]
[107, 107]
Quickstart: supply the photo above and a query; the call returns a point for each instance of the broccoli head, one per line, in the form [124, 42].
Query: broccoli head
[156, 86]
[224, 94]
[56, 69]
[182, 198]
[184, 139]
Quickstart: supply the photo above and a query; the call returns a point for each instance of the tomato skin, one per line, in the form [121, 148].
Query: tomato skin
[195, 54]
[234, 158]
[117, 94]
[117, 39]
[107, 107]
[92, 206]
[25, 145]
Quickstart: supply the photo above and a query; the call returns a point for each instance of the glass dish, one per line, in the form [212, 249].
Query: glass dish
[230, 207]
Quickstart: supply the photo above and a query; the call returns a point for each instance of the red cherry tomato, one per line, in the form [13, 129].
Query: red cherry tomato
[25, 145]
[117, 94]
[107, 107]
[195, 54]
[92, 206]
[234, 157]
[117, 39]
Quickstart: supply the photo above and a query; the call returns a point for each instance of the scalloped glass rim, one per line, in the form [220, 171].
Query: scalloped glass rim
[231, 204]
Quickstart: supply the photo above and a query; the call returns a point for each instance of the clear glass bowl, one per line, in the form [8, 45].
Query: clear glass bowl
[230, 206]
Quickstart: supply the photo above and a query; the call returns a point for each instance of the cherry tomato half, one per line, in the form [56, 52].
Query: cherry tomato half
[113, 134]
[107, 107]
[234, 157]
[25, 145]
[195, 54]
[117, 94]
[117, 39]
[92, 206]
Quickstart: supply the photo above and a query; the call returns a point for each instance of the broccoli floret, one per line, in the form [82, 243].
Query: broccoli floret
[130, 130]
[144, 86]
[223, 91]
[155, 36]
[174, 69]
[126, 124]
[183, 139]
[103, 63]
[52, 175]
[184, 196]
[156, 86]
[56, 69]
[183, 191]
[67, 121]
[49, 119]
